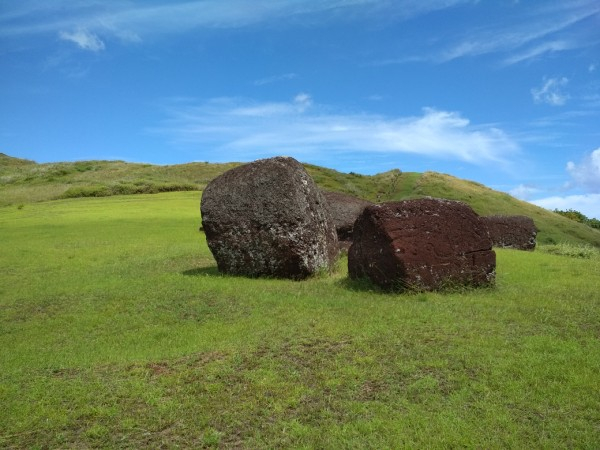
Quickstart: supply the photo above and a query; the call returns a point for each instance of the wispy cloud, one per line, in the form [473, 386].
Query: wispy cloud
[84, 39]
[539, 50]
[519, 33]
[551, 92]
[275, 79]
[131, 21]
[300, 127]
[528, 34]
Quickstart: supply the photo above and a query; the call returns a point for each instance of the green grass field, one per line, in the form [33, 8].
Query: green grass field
[117, 331]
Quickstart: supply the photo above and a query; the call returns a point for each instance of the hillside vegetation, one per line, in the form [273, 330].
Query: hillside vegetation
[23, 181]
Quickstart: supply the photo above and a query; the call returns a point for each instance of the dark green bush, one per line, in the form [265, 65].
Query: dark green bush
[83, 167]
[579, 217]
[138, 187]
[173, 187]
[97, 190]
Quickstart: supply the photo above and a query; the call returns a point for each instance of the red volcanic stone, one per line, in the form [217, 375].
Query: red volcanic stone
[422, 244]
[344, 210]
[268, 218]
[518, 232]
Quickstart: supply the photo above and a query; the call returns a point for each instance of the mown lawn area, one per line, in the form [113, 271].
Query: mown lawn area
[116, 330]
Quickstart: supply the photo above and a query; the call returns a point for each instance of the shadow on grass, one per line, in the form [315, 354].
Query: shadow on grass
[211, 271]
[360, 285]
[367, 286]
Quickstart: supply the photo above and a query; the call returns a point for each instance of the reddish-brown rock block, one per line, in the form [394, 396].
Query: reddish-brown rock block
[422, 244]
[518, 232]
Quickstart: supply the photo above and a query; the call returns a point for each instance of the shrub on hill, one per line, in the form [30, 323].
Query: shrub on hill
[139, 187]
[579, 217]
[96, 190]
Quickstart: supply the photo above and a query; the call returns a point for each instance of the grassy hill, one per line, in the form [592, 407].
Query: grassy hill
[23, 181]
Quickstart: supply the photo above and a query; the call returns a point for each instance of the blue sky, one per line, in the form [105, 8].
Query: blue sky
[506, 93]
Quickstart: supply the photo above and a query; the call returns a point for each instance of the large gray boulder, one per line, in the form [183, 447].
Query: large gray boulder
[517, 232]
[268, 218]
[422, 244]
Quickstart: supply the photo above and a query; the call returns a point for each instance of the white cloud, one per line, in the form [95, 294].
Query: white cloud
[524, 191]
[551, 92]
[302, 101]
[84, 39]
[589, 204]
[587, 173]
[249, 129]
[592, 68]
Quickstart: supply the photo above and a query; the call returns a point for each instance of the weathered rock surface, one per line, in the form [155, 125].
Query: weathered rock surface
[344, 210]
[422, 244]
[268, 218]
[518, 232]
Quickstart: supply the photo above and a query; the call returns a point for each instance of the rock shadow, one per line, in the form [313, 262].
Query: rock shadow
[211, 271]
[360, 285]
